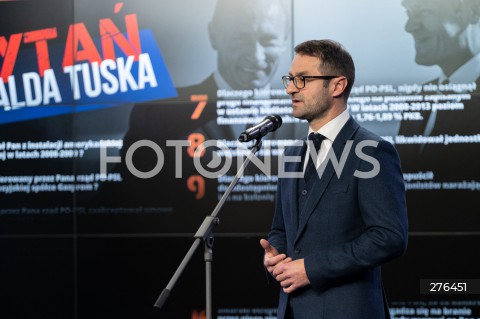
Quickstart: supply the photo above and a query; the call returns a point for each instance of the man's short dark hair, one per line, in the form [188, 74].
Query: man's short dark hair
[334, 59]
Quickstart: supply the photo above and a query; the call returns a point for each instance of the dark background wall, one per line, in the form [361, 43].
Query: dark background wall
[109, 247]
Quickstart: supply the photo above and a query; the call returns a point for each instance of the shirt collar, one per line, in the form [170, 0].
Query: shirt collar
[467, 73]
[332, 128]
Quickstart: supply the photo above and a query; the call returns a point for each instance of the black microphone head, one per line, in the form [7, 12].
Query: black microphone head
[269, 124]
[276, 120]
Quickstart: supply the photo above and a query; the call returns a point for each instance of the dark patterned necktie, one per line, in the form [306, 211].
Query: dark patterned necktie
[311, 169]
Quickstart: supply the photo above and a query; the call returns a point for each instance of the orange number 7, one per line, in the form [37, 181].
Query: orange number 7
[202, 102]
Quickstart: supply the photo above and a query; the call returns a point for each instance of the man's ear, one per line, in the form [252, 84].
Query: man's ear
[340, 84]
[212, 34]
[468, 12]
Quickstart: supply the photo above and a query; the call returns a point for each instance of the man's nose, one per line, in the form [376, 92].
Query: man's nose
[291, 88]
[412, 24]
[259, 55]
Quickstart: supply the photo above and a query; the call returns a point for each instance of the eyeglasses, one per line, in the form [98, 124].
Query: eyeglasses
[299, 80]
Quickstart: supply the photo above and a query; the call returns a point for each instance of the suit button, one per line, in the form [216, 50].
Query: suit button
[297, 251]
[304, 192]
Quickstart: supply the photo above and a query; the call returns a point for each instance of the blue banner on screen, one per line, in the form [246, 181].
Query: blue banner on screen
[111, 77]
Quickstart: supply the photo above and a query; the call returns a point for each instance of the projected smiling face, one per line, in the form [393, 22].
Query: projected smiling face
[438, 26]
[249, 38]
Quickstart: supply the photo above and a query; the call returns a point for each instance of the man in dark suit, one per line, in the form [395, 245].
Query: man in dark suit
[333, 230]
[446, 35]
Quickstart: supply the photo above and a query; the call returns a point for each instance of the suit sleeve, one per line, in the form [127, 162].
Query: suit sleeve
[381, 203]
[277, 235]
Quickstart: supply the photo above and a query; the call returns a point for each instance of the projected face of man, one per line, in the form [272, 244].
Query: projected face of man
[438, 26]
[249, 37]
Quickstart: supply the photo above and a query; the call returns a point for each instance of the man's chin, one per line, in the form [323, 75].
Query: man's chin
[259, 83]
[252, 80]
[297, 114]
[424, 59]
[250, 85]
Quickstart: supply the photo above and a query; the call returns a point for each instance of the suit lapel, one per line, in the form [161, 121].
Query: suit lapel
[291, 187]
[320, 185]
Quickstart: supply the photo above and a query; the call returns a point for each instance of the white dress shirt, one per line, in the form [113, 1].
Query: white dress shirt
[330, 131]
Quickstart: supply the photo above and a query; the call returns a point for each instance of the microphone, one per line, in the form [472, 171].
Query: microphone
[269, 124]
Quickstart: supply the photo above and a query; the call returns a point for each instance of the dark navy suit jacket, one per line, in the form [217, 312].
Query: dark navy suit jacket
[348, 228]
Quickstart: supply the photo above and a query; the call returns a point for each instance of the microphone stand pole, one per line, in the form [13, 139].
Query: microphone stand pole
[205, 234]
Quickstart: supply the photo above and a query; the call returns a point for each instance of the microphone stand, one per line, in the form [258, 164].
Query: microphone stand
[205, 234]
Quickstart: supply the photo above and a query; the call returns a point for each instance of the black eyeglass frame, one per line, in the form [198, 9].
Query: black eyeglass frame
[294, 79]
